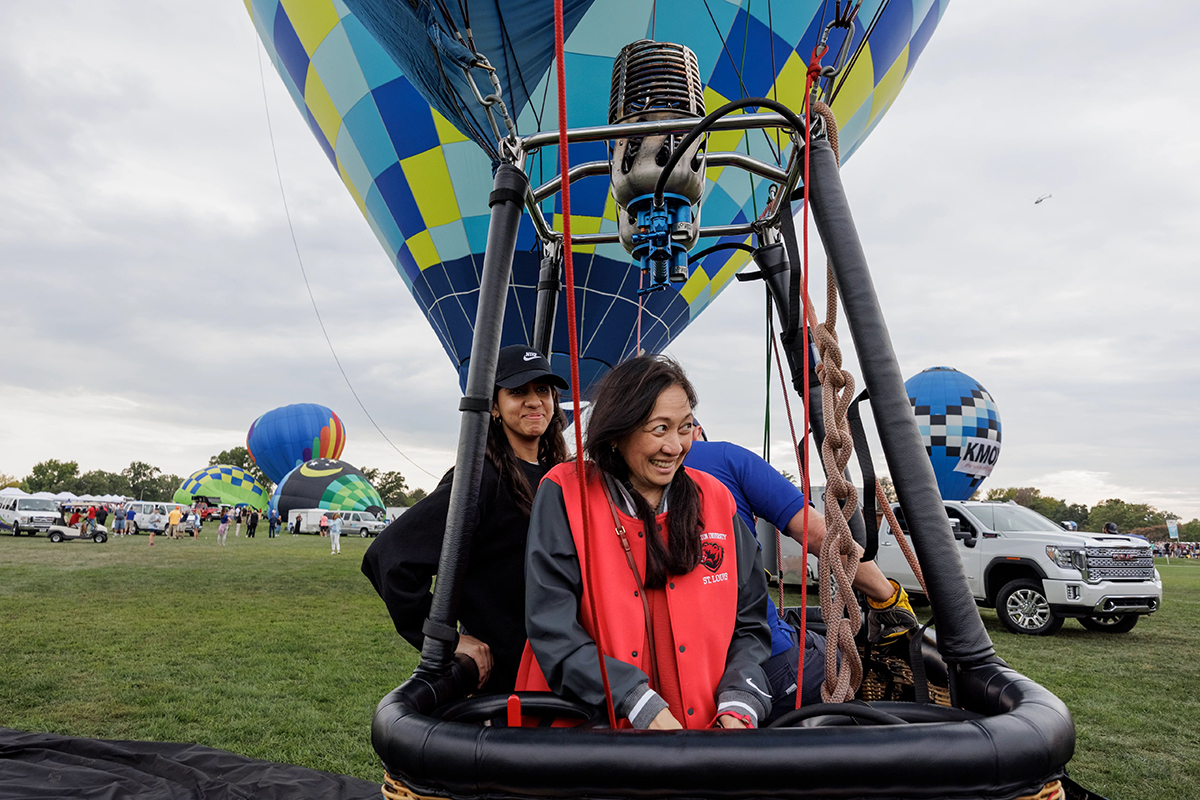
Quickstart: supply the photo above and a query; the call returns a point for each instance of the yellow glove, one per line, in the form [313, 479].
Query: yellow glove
[891, 619]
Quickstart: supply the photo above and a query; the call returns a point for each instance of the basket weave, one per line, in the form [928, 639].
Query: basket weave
[1051, 791]
[394, 790]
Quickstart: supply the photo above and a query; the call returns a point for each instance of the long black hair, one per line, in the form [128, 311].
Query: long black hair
[552, 449]
[624, 401]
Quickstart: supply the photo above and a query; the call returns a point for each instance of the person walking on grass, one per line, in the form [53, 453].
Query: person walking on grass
[91, 519]
[237, 521]
[129, 515]
[251, 523]
[324, 525]
[118, 521]
[223, 528]
[173, 522]
[155, 524]
[296, 527]
[335, 534]
[197, 523]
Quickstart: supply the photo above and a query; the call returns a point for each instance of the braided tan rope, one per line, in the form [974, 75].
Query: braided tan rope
[839, 552]
[831, 129]
[901, 539]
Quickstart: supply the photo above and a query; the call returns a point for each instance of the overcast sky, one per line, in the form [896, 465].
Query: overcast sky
[154, 305]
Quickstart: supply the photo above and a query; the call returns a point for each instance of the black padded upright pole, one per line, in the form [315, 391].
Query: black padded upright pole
[961, 635]
[548, 288]
[507, 204]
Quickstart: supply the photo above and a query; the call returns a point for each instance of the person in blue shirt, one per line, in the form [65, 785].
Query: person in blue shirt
[760, 490]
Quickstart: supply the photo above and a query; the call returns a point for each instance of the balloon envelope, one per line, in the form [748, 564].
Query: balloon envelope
[232, 485]
[326, 483]
[282, 439]
[378, 84]
[960, 427]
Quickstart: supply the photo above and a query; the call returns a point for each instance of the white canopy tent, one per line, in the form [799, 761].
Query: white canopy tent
[13, 491]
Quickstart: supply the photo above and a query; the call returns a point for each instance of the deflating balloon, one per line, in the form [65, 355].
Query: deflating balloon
[282, 439]
[326, 483]
[960, 427]
[380, 85]
[233, 485]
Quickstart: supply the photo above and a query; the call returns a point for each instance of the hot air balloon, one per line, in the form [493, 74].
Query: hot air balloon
[232, 485]
[960, 427]
[416, 151]
[326, 483]
[286, 437]
[445, 172]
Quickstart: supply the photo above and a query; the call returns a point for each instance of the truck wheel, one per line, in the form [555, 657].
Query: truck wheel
[363, 533]
[1112, 623]
[133, 528]
[16, 529]
[56, 537]
[1023, 608]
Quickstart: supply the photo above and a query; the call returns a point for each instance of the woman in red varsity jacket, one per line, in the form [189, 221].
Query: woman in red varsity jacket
[664, 566]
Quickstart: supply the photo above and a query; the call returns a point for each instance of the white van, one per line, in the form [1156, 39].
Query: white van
[27, 514]
[363, 523]
[143, 515]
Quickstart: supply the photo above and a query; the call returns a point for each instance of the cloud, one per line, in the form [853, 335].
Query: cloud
[155, 305]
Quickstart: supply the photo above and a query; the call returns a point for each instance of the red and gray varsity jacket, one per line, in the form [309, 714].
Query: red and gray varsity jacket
[718, 610]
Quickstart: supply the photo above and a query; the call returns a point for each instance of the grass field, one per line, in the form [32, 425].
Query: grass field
[275, 649]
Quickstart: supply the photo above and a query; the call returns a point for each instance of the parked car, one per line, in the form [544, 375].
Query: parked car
[1035, 574]
[363, 523]
[27, 515]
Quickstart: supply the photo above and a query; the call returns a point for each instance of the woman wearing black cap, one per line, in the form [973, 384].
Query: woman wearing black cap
[524, 441]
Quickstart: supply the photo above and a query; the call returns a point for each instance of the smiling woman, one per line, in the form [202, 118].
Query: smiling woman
[680, 615]
[524, 440]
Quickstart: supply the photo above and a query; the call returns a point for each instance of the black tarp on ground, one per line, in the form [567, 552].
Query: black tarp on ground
[37, 766]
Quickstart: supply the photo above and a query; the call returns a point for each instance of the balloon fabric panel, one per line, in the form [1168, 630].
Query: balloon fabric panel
[231, 484]
[420, 174]
[325, 483]
[283, 438]
[953, 408]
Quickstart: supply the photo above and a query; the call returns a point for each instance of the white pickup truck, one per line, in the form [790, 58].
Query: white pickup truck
[1035, 574]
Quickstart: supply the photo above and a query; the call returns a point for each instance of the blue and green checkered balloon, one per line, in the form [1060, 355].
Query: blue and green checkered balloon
[232, 485]
[379, 88]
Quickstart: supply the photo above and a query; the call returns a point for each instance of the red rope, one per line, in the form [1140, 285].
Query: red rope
[814, 70]
[804, 538]
[572, 336]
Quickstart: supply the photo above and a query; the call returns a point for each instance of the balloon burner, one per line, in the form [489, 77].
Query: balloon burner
[656, 81]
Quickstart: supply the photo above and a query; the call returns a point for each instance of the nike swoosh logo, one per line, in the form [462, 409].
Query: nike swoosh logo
[530, 356]
[755, 688]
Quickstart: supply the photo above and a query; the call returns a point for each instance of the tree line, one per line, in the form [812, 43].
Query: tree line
[139, 480]
[1141, 519]
[144, 481]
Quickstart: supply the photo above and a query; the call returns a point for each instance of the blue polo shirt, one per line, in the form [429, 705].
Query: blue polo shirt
[759, 490]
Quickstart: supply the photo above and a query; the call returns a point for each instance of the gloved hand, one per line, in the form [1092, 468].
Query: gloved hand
[891, 619]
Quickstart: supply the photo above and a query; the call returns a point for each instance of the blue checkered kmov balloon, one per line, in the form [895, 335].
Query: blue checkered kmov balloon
[379, 87]
[960, 427]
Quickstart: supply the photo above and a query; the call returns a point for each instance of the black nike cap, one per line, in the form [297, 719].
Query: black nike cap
[519, 364]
